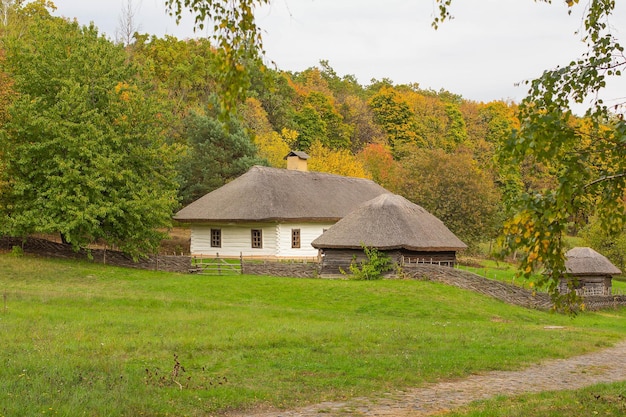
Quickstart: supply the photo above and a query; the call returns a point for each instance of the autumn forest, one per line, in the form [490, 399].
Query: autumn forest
[104, 140]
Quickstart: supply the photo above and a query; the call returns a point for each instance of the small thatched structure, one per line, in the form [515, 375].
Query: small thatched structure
[587, 272]
[297, 160]
[391, 224]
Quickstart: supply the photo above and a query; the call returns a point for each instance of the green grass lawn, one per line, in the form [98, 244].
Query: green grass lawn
[597, 400]
[501, 271]
[86, 339]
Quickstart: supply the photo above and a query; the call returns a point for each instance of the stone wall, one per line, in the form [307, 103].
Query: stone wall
[47, 248]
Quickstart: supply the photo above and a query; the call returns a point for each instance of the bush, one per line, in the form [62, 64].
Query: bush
[374, 267]
[17, 251]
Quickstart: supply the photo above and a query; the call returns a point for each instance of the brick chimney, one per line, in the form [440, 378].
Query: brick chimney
[297, 161]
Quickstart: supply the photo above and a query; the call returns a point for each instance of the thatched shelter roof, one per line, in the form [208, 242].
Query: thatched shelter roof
[390, 222]
[586, 261]
[299, 154]
[272, 194]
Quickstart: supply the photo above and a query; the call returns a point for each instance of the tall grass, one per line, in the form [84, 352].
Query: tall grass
[86, 339]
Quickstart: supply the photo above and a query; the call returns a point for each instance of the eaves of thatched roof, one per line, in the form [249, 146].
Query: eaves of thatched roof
[272, 194]
[390, 222]
[586, 261]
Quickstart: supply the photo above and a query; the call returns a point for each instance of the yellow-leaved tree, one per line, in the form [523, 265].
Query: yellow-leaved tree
[271, 145]
[339, 161]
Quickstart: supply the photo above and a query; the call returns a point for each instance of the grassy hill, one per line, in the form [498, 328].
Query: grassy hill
[120, 342]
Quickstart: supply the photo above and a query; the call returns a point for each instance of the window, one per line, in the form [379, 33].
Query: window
[295, 238]
[257, 238]
[216, 238]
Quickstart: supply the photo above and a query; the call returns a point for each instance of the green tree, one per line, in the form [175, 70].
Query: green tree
[236, 36]
[611, 245]
[394, 115]
[216, 154]
[456, 132]
[337, 132]
[82, 151]
[184, 70]
[454, 189]
[310, 127]
[277, 96]
[341, 87]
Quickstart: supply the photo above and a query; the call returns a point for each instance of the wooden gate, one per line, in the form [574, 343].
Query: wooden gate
[215, 266]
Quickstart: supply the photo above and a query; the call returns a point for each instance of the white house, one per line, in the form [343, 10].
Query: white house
[271, 212]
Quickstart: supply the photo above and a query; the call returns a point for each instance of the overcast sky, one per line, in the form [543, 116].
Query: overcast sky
[489, 47]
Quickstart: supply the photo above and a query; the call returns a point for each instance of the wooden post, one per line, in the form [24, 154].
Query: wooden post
[241, 263]
[219, 266]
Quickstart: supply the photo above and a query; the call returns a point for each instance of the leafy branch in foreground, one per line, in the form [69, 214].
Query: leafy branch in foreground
[237, 38]
[587, 157]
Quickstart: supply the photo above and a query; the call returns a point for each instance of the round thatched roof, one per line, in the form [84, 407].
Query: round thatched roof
[389, 222]
[272, 194]
[586, 261]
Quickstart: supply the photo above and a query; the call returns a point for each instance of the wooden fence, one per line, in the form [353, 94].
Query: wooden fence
[43, 247]
[409, 261]
[216, 265]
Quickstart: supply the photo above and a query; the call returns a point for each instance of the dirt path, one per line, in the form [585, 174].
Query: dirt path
[602, 366]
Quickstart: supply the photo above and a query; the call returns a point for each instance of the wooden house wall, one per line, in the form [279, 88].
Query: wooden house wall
[308, 233]
[236, 239]
[588, 285]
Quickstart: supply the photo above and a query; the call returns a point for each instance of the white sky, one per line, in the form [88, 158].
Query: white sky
[489, 47]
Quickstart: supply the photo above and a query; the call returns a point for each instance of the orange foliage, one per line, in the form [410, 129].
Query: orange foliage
[380, 165]
[7, 94]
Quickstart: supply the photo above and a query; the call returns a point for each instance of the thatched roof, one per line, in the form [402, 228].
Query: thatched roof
[586, 261]
[390, 222]
[272, 194]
